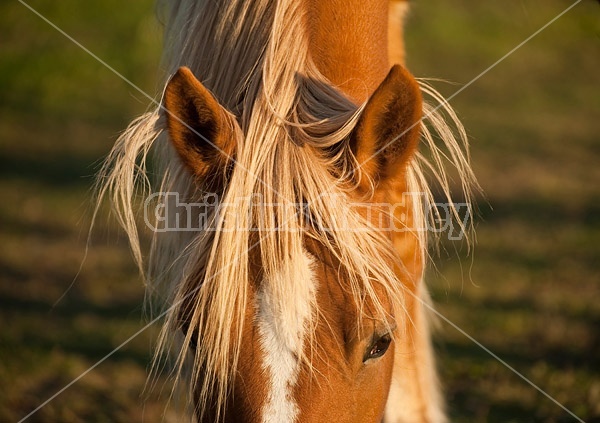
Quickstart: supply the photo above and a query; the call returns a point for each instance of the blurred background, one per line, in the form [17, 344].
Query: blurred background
[530, 292]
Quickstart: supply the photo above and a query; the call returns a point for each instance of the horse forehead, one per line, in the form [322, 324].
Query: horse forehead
[334, 287]
[285, 309]
[343, 311]
[286, 299]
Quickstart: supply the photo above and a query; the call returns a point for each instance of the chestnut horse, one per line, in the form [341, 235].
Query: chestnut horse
[301, 306]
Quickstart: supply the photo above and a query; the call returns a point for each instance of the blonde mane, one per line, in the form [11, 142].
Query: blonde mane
[253, 56]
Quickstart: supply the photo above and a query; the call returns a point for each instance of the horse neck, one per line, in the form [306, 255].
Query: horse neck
[348, 40]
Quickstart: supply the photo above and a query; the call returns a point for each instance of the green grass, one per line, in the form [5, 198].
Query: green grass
[60, 113]
[530, 292]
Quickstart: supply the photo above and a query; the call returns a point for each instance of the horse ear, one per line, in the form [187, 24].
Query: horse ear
[387, 133]
[201, 130]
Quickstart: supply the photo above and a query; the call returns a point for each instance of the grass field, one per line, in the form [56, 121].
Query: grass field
[530, 292]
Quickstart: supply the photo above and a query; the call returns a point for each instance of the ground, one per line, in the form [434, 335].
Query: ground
[529, 292]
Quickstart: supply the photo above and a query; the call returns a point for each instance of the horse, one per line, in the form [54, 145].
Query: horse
[308, 304]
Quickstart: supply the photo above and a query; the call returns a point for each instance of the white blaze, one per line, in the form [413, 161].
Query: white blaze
[285, 308]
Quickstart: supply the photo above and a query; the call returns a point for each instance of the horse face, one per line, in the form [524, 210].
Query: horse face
[313, 352]
[352, 351]
[312, 355]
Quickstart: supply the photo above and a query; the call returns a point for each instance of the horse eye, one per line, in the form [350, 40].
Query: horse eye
[378, 348]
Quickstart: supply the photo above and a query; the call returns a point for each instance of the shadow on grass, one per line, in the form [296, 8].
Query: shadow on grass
[66, 170]
[93, 340]
[540, 212]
